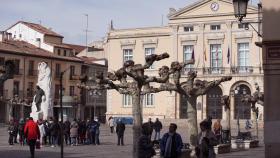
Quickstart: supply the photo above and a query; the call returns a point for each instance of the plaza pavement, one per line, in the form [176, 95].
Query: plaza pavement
[107, 149]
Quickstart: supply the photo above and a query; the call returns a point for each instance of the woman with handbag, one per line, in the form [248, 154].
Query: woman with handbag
[32, 133]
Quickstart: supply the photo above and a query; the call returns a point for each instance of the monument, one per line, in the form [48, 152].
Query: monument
[42, 107]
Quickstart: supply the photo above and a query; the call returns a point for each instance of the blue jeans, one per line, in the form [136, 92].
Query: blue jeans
[54, 140]
[157, 135]
[74, 140]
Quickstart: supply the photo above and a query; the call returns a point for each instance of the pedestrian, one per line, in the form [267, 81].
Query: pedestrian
[206, 142]
[66, 130]
[54, 132]
[145, 146]
[152, 125]
[42, 130]
[11, 131]
[93, 126]
[47, 138]
[82, 132]
[217, 128]
[32, 133]
[21, 131]
[157, 128]
[15, 131]
[111, 124]
[171, 143]
[97, 131]
[120, 131]
[74, 132]
[88, 134]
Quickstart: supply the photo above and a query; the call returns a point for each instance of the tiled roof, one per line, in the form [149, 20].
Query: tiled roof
[77, 48]
[24, 48]
[38, 28]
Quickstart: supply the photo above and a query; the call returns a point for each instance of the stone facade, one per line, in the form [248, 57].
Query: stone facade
[221, 47]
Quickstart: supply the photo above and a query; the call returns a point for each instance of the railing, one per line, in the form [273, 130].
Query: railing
[32, 72]
[72, 76]
[238, 70]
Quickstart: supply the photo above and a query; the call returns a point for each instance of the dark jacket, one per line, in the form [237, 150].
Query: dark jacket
[54, 129]
[157, 126]
[12, 129]
[145, 147]
[66, 127]
[31, 130]
[176, 147]
[120, 128]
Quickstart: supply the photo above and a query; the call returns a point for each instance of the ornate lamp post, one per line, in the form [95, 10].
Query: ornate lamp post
[240, 8]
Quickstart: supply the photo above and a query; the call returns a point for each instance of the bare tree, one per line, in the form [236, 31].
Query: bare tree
[257, 97]
[225, 101]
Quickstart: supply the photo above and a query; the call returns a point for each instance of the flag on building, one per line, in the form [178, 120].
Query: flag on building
[204, 52]
[193, 54]
[228, 56]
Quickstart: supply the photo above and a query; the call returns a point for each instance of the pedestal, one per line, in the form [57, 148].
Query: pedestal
[244, 144]
[36, 115]
[222, 148]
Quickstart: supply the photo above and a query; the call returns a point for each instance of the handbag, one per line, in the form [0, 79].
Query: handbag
[38, 144]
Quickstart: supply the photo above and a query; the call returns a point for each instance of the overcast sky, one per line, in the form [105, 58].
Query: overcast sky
[67, 18]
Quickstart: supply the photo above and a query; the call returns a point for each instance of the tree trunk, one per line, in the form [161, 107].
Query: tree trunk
[192, 120]
[228, 123]
[137, 121]
[256, 124]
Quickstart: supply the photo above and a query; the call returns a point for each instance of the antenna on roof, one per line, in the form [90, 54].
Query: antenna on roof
[86, 34]
[111, 26]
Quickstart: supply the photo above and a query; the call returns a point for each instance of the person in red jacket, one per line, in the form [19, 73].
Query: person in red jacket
[32, 133]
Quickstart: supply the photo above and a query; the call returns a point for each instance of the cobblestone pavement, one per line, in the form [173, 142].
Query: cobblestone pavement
[107, 149]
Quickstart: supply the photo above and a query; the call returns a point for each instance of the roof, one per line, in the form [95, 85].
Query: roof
[92, 60]
[24, 48]
[77, 48]
[61, 45]
[38, 28]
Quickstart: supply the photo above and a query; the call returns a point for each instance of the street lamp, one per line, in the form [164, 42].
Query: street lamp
[236, 91]
[240, 8]
[240, 11]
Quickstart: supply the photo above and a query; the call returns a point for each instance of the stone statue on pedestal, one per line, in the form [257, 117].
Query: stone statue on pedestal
[42, 106]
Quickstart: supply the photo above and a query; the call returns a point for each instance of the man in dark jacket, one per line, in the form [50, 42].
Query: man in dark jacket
[32, 133]
[120, 131]
[157, 127]
[54, 131]
[171, 143]
[66, 130]
[145, 146]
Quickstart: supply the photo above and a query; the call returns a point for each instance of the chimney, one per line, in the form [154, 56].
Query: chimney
[5, 36]
[1, 36]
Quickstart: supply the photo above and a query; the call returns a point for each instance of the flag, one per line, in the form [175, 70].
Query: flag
[228, 55]
[193, 55]
[217, 55]
[204, 52]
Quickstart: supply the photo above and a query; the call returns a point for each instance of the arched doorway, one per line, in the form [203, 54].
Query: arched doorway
[214, 107]
[241, 110]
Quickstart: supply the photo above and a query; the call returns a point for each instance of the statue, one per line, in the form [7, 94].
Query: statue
[42, 107]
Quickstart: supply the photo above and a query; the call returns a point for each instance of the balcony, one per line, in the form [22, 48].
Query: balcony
[32, 73]
[214, 70]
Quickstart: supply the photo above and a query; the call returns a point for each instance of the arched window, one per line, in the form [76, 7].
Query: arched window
[214, 106]
[241, 110]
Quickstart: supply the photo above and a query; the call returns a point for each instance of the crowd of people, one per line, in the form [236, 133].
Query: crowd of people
[80, 132]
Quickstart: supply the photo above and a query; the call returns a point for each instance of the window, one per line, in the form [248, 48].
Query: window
[127, 100]
[216, 58]
[215, 27]
[127, 55]
[58, 51]
[57, 70]
[2, 61]
[30, 89]
[214, 106]
[150, 51]
[243, 57]
[17, 63]
[16, 88]
[188, 28]
[65, 53]
[188, 50]
[242, 110]
[243, 26]
[31, 68]
[72, 72]
[56, 91]
[149, 100]
[72, 90]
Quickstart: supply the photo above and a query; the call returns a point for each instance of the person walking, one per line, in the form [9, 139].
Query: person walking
[120, 131]
[74, 132]
[111, 124]
[32, 133]
[11, 131]
[97, 131]
[42, 131]
[206, 142]
[157, 128]
[15, 131]
[171, 143]
[54, 131]
[152, 125]
[145, 145]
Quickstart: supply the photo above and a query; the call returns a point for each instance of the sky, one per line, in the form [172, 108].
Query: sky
[67, 17]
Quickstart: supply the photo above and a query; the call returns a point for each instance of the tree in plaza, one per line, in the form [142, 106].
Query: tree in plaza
[257, 97]
[191, 89]
[225, 101]
[6, 71]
